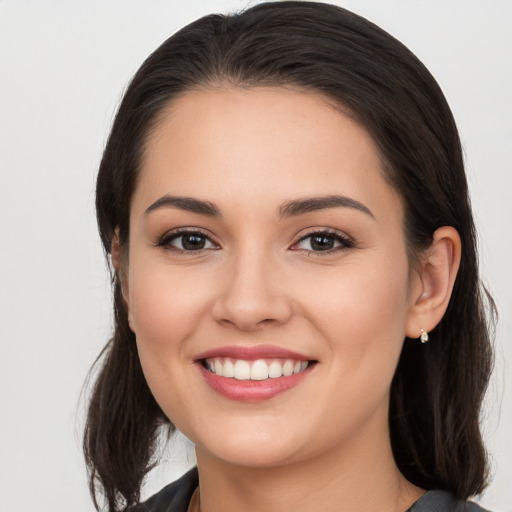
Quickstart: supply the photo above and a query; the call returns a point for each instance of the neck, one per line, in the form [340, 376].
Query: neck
[362, 476]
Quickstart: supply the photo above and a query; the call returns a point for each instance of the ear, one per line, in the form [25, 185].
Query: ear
[432, 283]
[120, 263]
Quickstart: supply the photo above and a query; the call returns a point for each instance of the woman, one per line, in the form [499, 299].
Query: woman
[296, 285]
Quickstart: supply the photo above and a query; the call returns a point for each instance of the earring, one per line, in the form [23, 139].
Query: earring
[423, 336]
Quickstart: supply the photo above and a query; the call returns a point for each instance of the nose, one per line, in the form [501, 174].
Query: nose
[253, 295]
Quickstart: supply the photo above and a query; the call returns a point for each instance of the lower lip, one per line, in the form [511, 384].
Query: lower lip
[251, 390]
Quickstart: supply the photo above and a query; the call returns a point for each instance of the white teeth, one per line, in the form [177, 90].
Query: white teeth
[229, 369]
[288, 368]
[242, 370]
[275, 369]
[254, 370]
[259, 370]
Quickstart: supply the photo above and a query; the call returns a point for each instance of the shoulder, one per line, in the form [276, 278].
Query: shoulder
[174, 497]
[443, 501]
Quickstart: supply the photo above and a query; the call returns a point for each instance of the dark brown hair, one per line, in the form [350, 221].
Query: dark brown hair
[437, 391]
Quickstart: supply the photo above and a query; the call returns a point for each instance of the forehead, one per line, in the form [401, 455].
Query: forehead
[258, 146]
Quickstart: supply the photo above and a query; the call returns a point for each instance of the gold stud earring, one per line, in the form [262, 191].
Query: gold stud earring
[423, 336]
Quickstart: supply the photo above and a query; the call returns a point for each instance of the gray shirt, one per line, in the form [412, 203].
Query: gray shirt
[176, 497]
[443, 501]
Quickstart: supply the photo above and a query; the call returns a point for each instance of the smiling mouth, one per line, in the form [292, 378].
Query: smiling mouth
[259, 369]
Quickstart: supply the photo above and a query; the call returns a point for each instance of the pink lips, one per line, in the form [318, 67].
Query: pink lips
[252, 353]
[251, 390]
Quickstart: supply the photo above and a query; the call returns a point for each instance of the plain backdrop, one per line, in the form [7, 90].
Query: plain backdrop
[63, 67]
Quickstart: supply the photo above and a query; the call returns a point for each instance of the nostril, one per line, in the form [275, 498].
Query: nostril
[250, 304]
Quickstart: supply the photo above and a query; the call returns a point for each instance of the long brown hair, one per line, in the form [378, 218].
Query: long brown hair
[437, 391]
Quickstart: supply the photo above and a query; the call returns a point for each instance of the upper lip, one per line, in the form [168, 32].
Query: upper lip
[252, 352]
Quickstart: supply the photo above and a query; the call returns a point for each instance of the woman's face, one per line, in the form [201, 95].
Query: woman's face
[265, 239]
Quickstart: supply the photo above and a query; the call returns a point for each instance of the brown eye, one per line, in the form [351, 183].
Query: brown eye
[192, 242]
[186, 241]
[323, 242]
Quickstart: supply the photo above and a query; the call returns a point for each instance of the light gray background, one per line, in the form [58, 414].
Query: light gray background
[63, 67]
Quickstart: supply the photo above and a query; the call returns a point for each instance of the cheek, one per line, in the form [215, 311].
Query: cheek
[362, 312]
[362, 318]
[164, 307]
[362, 297]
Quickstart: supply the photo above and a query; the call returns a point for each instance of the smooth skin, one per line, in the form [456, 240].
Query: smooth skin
[252, 275]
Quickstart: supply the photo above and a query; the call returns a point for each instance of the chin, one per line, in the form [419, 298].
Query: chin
[255, 456]
[254, 448]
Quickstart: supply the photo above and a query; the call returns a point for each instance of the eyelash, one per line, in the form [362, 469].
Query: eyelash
[165, 241]
[345, 242]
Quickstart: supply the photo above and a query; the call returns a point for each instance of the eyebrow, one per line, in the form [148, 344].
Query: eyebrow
[188, 204]
[288, 209]
[312, 204]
